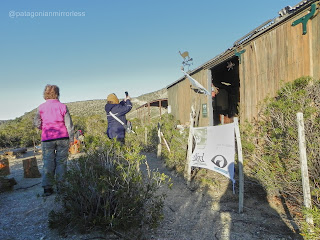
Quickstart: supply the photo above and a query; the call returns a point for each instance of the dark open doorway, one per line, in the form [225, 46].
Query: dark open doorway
[225, 77]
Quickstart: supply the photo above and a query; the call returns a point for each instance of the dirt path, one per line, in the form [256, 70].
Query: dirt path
[189, 214]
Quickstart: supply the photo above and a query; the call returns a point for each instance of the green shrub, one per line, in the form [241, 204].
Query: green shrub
[315, 231]
[177, 141]
[271, 145]
[19, 133]
[105, 190]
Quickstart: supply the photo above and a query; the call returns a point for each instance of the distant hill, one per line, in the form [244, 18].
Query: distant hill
[2, 122]
[96, 107]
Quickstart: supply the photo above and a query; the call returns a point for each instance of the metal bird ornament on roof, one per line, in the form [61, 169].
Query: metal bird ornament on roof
[187, 61]
[184, 54]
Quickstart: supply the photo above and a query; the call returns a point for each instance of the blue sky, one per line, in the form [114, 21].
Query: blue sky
[114, 45]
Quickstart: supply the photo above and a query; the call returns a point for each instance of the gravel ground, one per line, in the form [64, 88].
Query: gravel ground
[189, 213]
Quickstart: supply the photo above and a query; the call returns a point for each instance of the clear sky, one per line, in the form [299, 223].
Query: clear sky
[105, 46]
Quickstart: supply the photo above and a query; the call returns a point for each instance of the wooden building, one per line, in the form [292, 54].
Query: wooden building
[280, 50]
[144, 111]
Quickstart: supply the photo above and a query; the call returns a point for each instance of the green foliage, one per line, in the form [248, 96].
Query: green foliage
[105, 190]
[177, 140]
[271, 145]
[311, 232]
[19, 133]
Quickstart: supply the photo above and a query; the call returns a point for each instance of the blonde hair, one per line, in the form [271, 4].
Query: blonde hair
[51, 92]
[112, 99]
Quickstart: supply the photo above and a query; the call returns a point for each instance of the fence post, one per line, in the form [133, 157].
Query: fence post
[240, 162]
[190, 145]
[304, 167]
[146, 135]
[159, 142]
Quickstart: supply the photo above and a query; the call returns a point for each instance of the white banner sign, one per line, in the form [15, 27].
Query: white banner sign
[215, 149]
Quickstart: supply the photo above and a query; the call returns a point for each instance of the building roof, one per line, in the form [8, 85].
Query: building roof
[155, 103]
[284, 14]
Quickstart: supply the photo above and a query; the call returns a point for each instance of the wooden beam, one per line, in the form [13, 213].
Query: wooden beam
[210, 109]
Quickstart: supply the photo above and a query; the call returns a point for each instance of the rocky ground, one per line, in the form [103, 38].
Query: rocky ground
[190, 213]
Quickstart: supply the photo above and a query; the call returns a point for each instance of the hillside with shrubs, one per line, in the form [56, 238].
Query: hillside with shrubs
[270, 152]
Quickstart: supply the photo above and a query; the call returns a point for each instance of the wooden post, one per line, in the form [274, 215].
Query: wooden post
[4, 167]
[145, 135]
[304, 167]
[6, 184]
[159, 142]
[240, 162]
[149, 114]
[190, 145]
[210, 108]
[30, 167]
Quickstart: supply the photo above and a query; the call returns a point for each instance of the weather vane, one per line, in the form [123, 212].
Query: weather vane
[187, 61]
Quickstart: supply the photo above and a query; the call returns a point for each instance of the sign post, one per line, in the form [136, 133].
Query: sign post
[240, 162]
[190, 145]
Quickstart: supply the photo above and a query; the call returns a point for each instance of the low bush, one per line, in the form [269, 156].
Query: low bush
[105, 190]
[177, 141]
[270, 144]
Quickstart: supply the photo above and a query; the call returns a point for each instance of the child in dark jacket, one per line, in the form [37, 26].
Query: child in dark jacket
[119, 109]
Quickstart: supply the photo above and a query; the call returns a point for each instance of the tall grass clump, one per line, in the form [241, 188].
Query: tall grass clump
[177, 140]
[271, 145]
[105, 190]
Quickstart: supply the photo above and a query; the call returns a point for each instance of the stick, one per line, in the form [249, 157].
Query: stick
[165, 141]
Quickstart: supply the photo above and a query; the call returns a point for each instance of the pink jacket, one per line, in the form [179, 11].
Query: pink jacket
[54, 120]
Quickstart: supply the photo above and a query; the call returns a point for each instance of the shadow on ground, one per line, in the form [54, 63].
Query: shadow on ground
[212, 212]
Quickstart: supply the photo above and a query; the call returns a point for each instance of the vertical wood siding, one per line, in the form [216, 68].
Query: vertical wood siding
[280, 55]
[181, 97]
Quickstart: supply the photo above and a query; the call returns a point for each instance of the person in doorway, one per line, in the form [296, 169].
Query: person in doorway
[116, 130]
[214, 91]
[57, 135]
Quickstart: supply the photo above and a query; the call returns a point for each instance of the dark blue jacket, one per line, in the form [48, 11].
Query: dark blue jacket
[115, 129]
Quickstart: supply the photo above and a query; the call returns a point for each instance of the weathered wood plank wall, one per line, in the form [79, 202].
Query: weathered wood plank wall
[280, 55]
[181, 97]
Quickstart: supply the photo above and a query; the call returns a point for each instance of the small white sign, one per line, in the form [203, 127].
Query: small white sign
[215, 149]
